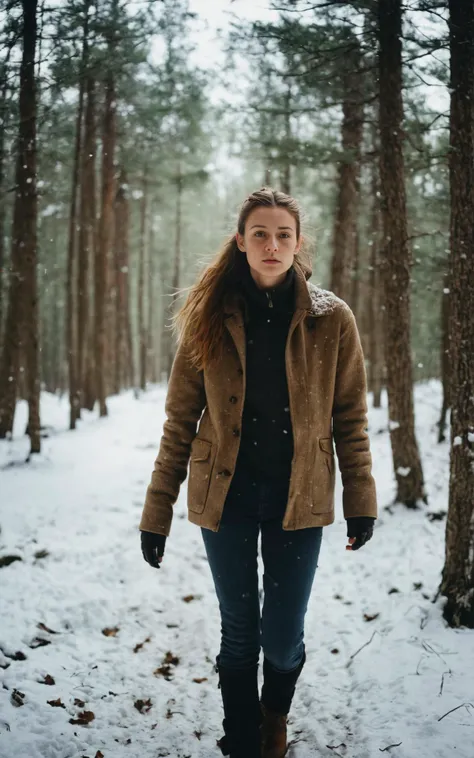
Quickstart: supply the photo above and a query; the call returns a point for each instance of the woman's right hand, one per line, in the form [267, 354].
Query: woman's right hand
[153, 547]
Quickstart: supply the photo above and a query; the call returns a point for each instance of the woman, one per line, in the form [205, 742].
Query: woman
[276, 365]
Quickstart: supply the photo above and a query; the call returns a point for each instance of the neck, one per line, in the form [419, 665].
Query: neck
[267, 282]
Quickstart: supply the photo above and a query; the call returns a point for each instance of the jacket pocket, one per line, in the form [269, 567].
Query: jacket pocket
[324, 477]
[199, 474]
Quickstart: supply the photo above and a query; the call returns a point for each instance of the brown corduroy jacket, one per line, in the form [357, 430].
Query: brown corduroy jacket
[327, 391]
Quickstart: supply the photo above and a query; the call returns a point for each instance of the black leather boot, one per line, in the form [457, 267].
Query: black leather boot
[242, 712]
[277, 693]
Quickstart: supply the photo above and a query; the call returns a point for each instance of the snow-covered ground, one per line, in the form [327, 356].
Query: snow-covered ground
[383, 669]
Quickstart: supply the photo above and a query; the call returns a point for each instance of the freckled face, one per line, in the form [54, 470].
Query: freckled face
[270, 243]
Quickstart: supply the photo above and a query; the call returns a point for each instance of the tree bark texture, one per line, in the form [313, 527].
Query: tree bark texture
[73, 269]
[105, 234]
[376, 314]
[141, 284]
[458, 573]
[445, 360]
[396, 259]
[87, 236]
[21, 332]
[345, 224]
[124, 367]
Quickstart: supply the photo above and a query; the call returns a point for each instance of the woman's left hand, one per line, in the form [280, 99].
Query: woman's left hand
[359, 531]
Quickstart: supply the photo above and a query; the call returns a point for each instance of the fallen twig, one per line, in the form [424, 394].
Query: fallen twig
[383, 749]
[361, 648]
[455, 709]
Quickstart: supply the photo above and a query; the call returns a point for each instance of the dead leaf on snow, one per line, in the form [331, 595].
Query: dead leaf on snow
[143, 705]
[83, 718]
[200, 680]
[6, 560]
[17, 697]
[164, 671]
[56, 703]
[45, 628]
[140, 645]
[110, 631]
[41, 554]
[47, 680]
[188, 598]
[368, 617]
[170, 658]
[39, 642]
[79, 703]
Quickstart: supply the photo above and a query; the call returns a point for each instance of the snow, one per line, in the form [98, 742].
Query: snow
[386, 679]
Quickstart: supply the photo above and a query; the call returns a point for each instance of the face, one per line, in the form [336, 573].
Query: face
[270, 243]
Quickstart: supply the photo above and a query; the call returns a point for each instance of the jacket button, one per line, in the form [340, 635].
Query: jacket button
[232, 399]
[236, 432]
[224, 472]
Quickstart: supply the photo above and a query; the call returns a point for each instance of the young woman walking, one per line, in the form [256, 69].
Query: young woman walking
[268, 373]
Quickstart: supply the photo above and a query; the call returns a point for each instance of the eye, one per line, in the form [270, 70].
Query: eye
[259, 233]
[285, 235]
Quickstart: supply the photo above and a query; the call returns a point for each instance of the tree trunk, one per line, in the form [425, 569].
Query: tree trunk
[376, 314]
[151, 362]
[21, 332]
[141, 285]
[445, 360]
[71, 300]
[286, 170]
[105, 228]
[3, 127]
[87, 235]
[124, 369]
[177, 262]
[458, 573]
[396, 259]
[345, 224]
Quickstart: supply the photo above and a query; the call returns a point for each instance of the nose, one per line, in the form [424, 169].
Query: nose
[271, 245]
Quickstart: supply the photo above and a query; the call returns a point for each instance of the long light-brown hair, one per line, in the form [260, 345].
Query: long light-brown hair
[199, 323]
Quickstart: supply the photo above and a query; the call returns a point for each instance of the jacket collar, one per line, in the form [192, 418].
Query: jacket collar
[308, 297]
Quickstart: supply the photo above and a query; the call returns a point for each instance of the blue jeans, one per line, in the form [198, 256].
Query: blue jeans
[290, 559]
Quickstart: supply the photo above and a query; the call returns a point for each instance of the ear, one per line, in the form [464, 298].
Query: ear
[298, 245]
[240, 242]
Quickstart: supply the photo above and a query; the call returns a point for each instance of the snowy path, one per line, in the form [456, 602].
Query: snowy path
[81, 502]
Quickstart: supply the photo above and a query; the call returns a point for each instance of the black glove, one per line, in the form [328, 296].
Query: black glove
[360, 527]
[153, 547]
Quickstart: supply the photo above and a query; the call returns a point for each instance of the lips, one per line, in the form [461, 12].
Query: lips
[271, 260]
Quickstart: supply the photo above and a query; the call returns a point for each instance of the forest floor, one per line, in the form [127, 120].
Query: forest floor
[127, 651]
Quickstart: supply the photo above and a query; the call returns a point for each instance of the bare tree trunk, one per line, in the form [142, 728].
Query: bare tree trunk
[177, 260]
[345, 224]
[376, 314]
[286, 171]
[445, 360]
[124, 367]
[87, 235]
[151, 363]
[396, 259]
[105, 227]
[3, 127]
[458, 573]
[21, 333]
[71, 299]
[141, 284]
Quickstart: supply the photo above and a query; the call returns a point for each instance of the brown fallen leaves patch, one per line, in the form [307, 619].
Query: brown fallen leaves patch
[143, 706]
[200, 680]
[369, 617]
[165, 669]
[140, 645]
[56, 703]
[18, 656]
[83, 718]
[47, 680]
[111, 631]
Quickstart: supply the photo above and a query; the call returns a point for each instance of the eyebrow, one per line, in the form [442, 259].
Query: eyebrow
[262, 226]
